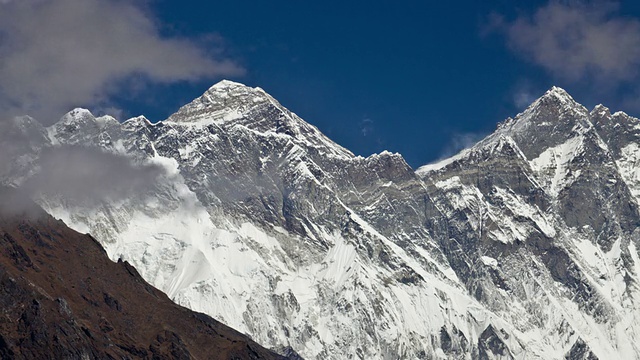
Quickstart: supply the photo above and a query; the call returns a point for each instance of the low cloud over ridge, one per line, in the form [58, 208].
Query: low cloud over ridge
[59, 54]
[89, 174]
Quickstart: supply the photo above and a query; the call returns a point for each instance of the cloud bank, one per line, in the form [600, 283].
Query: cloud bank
[82, 176]
[59, 54]
[77, 173]
[578, 41]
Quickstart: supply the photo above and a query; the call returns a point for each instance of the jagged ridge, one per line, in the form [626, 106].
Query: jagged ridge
[523, 246]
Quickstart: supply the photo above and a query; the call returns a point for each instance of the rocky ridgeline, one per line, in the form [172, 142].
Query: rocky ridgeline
[523, 246]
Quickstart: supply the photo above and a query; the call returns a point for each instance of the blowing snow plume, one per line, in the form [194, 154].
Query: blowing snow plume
[57, 55]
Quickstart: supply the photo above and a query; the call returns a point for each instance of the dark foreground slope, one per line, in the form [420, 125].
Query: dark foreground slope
[62, 298]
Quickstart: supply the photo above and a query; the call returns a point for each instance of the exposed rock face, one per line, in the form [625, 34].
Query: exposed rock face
[555, 213]
[62, 298]
[523, 246]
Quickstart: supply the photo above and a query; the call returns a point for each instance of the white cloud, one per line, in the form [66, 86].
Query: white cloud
[459, 142]
[58, 54]
[523, 96]
[578, 41]
[116, 112]
[89, 174]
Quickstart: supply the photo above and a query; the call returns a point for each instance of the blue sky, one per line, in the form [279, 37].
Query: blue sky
[417, 77]
[411, 78]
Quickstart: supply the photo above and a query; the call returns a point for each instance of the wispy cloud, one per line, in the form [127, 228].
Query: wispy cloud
[116, 112]
[58, 54]
[524, 94]
[577, 41]
[459, 142]
[366, 127]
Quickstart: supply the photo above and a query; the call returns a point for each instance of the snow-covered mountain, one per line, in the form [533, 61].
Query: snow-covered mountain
[524, 246]
[62, 298]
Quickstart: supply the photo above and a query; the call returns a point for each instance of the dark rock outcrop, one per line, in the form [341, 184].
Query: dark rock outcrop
[62, 298]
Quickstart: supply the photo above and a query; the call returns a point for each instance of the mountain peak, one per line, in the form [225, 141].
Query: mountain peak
[553, 107]
[225, 91]
[80, 117]
[222, 102]
[547, 122]
[601, 116]
[75, 115]
[229, 104]
[556, 95]
[136, 122]
[225, 84]
[557, 91]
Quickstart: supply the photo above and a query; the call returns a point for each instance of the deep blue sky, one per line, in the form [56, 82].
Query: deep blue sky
[416, 77]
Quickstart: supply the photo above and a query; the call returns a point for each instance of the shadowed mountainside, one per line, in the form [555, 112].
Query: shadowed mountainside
[61, 297]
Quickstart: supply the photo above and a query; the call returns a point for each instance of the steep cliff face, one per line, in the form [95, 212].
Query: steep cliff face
[523, 246]
[555, 222]
[62, 298]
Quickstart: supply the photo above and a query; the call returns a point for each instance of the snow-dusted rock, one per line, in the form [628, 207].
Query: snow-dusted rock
[524, 246]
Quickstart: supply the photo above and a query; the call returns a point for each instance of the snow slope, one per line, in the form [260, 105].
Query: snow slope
[524, 246]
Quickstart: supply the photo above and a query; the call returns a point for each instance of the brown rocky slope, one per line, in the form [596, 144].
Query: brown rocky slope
[62, 298]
